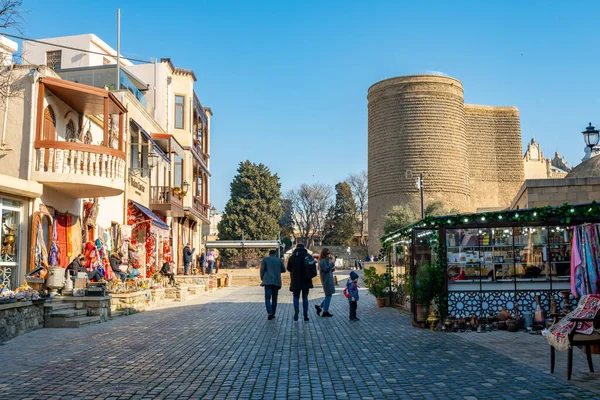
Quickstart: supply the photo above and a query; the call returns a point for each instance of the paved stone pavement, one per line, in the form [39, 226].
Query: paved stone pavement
[222, 346]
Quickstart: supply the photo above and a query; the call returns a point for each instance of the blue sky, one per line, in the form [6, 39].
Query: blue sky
[287, 81]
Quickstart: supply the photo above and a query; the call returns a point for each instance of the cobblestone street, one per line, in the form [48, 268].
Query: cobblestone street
[222, 346]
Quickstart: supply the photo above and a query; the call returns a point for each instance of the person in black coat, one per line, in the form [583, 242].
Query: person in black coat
[301, 281]
[116, 259]
[187, 258]
[166, 271]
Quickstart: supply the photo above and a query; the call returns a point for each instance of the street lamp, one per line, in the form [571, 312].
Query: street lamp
[212, 211]
[590, 137]
[186, 186]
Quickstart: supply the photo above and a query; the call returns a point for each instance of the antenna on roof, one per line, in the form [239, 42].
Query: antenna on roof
[118, 86]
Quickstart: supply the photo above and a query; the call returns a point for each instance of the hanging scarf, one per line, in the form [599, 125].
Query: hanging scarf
[577, 285]
[41, 254]
[53, 256]
[69, 236]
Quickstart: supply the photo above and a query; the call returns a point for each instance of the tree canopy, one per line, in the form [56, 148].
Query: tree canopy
[339, 228]
[255, 204]
[398, 217]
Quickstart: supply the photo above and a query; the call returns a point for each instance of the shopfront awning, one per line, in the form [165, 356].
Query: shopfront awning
[156, 221]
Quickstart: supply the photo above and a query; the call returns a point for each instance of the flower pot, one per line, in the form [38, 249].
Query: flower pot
[380, 302]
[422, 312]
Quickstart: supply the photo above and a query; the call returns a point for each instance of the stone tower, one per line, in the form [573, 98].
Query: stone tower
[470, 156]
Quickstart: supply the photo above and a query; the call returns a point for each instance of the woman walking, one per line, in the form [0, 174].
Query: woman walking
[326, 268]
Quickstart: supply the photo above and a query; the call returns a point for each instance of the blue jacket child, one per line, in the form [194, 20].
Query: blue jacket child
[352, 287]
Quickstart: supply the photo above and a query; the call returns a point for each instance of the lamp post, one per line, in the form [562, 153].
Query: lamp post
[591, 137]
[420, 187]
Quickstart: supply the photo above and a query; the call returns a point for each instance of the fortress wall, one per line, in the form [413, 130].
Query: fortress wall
[496, 169]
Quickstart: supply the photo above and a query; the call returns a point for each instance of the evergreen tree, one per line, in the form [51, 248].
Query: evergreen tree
[340, 224]
[254, 207]
[398, 217]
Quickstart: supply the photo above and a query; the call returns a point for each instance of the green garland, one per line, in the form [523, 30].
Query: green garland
[562, 214]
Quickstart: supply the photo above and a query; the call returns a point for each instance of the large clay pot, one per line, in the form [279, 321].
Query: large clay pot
[55, 279]
[422, 312]
[503, 315]
[513, 325]
[380, 302]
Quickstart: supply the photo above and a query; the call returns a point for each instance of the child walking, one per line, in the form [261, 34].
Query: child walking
[352, 289]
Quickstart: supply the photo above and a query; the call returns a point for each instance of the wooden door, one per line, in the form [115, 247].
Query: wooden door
[49, 132]
[61, 238]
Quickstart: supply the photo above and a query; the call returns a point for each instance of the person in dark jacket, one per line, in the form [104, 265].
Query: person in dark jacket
[270, 274]
[301, 281]
[202, 262]
[166, 271]
[116, 259]
[326, 268]
[78, 265]
[187, 258]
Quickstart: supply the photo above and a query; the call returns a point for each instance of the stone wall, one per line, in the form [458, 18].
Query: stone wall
[95, 306]
[496, 169]
[556, 192]
[20, 318]
[470, 155]
[356, 252]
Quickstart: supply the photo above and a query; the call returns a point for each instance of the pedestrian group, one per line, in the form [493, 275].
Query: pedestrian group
[303, 268]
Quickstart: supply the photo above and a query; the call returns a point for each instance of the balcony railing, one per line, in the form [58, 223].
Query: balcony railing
[164, 195]
[200, 206]
[79, 159]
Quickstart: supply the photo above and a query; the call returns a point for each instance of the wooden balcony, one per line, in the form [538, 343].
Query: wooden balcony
[163, 201]
[201, 207]
[79, 170]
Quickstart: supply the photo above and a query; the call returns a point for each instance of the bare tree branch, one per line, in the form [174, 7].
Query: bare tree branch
[359, 183]
[11, 14]
[310, 204]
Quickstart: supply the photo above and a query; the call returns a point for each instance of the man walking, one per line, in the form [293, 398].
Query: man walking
[270, 274]
[187, 258]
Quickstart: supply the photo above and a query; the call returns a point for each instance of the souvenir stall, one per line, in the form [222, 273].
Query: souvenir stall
[148, 233]
[536, 261]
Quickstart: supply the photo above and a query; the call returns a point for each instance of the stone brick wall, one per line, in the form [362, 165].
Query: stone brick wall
[470, 155]
[496, 169]
[20, 318]
[556, 192]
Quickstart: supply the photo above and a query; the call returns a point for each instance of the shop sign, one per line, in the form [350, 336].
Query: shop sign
[137, 184]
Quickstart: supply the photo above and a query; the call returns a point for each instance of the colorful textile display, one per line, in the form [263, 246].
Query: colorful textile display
[588, 307]
[69, 236]
[585, 260]
[41, 254]
[54, 252]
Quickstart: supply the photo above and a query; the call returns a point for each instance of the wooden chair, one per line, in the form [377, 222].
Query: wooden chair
[579, 339]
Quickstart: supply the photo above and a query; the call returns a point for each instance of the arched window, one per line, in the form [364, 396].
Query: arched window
[49, 132]
[70, 134]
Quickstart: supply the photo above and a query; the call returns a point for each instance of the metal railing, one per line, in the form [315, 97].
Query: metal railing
[164, 195]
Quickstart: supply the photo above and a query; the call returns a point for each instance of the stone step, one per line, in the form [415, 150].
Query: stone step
[67, 313]
[81, 321]
[59, 305]
[115, 314]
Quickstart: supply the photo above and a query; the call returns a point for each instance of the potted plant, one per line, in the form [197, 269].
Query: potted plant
[176, 190]
[376, 285]
[429, 285]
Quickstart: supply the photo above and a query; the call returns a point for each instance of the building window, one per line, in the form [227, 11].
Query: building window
[70, 134]
[9, 241]
[179, 111]
[178, 172]
[144, 158]
[134, 154]
[53, 59]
